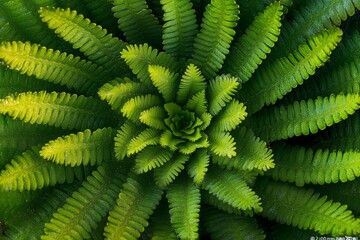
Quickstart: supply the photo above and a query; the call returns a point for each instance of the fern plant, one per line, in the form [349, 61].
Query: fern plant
[167, 119]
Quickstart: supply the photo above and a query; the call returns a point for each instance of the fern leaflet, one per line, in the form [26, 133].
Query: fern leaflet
[154, 117]
[84, 148]
[137, 201]
[150, 158]
[250, 50]
[229, 117]
[53, 66]
[149, 136]
[303, 118]
[164, 81]
[217, 31]
[89, 38]
[184, 200]
[123, 138]
[180, 27]
[198, 166]
[58, 109]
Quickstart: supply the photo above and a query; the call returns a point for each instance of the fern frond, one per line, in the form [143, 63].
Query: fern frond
[221, 91]
[251, 153]
[250, 50]
[210, 199]
[217, 31]
[184, 200]
[229, 117]
[303, 118]
[222, 225]
[282, 75]
[139, 57]
[124, 135]
[149, 136]
[164, 81]
[180, 27]
[137, 22]
[118, 91]
[132, 108]
[302, 166]
[311, 19]
[197, 103]
[154, 117]
[190, 147]
[7, 31]
[150, 158]
[30, 172]
[305, 209]
[87, 206]
[137, 201]
[191, 83]
[16, 137]
[348, 49]
[91, 39]
[84, 148]
[167, 173]
[53, 66]
[58, 109]
[167, 139]
[198, 166]
[232, 189]
[222, 144]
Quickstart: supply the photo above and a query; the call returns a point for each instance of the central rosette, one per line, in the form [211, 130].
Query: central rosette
[183, 123]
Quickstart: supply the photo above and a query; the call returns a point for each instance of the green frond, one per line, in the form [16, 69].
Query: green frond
[160, 224]
[167, 139]
[303, 166]
[83, 211]
[7, 32]
[211, 200]
[229, 117]
[222, 225]
[58, 109]
[231, 188]
[83, 148]
[282, 75]
[190, 147]
[251, 153]
[312, 18]
[139, 57]
[342, 136]
[132, 108]
[30, 172]
[150, 158]
[217, 31]
[180, 28]
[118, 91]
[124, 135]
[197, 103]
[13, 82]
[221, 91]
[222, 144]
[16, 137]
[167, 173]
[305, 209]
[198, 165]
[53, 66]
[136, 203]
[164, 81]
[148, 137]
[154, 117]
[25, 23]
[348, 49]
[91, 39]
[184, 200]
[137, 22]
[29, 222]
[251, 49]
[302, 118]
[191, 83]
